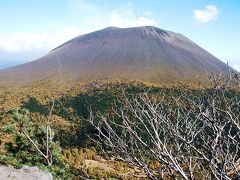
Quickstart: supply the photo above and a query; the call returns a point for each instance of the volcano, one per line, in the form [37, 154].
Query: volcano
[139, 53]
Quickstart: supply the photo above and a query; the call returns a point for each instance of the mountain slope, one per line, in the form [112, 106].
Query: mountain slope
[140, 53]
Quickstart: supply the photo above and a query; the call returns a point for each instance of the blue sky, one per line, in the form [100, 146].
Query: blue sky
[31, 28]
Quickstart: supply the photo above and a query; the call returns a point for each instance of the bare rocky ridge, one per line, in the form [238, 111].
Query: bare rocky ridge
[25, 173]
[140, 53]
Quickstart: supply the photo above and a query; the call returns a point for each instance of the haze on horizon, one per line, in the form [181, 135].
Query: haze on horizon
[30, 29]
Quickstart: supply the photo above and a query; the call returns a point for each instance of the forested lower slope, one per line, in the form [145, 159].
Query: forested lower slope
[194, 119]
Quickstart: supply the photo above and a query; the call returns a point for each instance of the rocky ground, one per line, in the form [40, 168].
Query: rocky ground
[25, 173]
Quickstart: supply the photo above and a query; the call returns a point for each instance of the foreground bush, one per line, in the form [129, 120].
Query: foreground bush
[191, 135]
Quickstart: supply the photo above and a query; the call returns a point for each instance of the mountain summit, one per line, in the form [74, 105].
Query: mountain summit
[140, 53]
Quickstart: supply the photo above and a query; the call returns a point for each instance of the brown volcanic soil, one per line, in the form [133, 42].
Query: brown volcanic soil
[140, 53]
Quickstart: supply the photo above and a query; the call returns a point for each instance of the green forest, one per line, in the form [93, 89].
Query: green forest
[123, 129]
